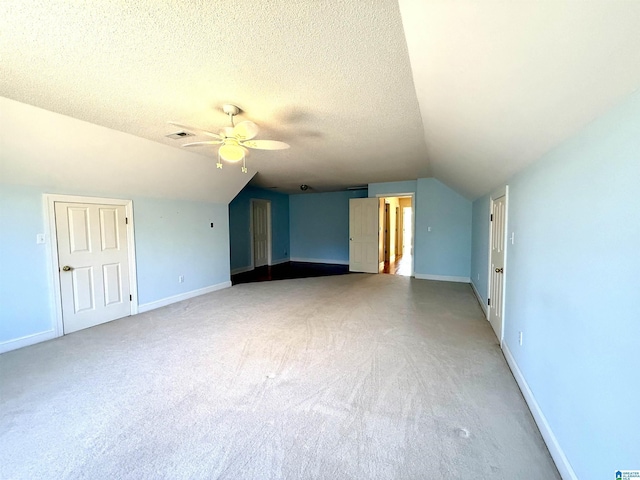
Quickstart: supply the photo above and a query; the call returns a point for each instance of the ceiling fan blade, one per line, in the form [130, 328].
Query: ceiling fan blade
[195, 144]
[245, 130]
[196, 129]
[265, 144]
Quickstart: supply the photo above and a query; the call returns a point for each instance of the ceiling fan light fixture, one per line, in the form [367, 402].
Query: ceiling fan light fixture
[231, 153]
[235, 139]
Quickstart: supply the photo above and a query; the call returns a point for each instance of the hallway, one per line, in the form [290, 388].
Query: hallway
[401, 266]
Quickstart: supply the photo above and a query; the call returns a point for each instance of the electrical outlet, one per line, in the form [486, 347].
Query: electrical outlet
[520, 338]
[181, 279]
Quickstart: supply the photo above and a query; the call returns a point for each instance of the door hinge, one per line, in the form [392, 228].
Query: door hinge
[131, 298]
[491, 220]
[126, 220]
[488, 301]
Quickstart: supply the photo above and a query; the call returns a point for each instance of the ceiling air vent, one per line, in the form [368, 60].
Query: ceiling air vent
[179, 135]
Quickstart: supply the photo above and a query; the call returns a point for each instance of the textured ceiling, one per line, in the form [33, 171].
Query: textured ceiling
[496, 83]
[331, 78]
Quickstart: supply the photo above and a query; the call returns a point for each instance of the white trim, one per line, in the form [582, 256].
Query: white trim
[49, 201]
[248, 268]
[442, 278]
[413, 226]
[238, 270]
[182, 296]
[319, 260]
[27, 340]
[560, 459]
[280, 260]
[500, 192]
[480, 300]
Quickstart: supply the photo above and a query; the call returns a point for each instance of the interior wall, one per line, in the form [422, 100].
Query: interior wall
[173, 238]
[319, 226]
[571, 289]
[240, 226]
[444, 252]
[176, 196]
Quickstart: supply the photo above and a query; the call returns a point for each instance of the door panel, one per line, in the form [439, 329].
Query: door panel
[83, 298]
[496, 286]
[363, 235]
[109, 233]
[92, 242]
[260, 234]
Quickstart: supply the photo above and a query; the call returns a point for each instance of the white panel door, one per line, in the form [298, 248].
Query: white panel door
[496, 284]
[94, 263]
[260, 233]
[363, 235]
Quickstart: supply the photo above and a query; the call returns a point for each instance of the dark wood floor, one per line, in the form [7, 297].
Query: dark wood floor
[289, 270]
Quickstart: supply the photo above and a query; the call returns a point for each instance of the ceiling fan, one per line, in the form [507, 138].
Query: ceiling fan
[234, 140]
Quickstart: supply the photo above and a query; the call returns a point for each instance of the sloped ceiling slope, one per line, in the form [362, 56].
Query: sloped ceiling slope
[332, 78]
[62, 154]
[501, 83]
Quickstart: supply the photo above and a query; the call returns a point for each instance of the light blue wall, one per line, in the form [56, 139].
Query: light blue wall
[173, 237]
[480, 246]
[445, 251]
[572, 290]
[239, 226]
[319, 226]
[24, 279]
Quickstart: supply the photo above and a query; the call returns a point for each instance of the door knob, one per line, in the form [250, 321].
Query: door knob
[499, 270]
[66, 268]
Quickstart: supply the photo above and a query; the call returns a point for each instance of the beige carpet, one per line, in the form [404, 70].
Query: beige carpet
[347, 377]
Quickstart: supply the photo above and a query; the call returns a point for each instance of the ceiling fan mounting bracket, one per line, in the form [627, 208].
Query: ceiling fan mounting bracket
[230, 109]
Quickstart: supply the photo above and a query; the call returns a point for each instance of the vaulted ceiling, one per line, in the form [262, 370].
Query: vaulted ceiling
[468, 92]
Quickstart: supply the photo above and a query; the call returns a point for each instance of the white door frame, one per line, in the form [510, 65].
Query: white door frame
[269, 246]
[413, 223]
[503, 191]
[50, 226]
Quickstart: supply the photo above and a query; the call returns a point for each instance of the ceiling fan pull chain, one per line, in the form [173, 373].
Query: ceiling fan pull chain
[244, 165]
[219, 164]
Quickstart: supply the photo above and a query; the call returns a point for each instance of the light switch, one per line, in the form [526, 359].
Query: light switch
[40, 238]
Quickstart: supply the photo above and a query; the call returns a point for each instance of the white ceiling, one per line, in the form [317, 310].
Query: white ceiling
[468, 92]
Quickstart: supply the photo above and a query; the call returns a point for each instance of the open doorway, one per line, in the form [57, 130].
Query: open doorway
[396, 242]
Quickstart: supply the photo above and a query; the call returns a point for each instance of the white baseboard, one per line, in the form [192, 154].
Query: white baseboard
[443, 278]
[235, 271]
[320, 260]
[561, 461]
[480, 300]
[279, 261]
[27, 340]
[183, 296]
